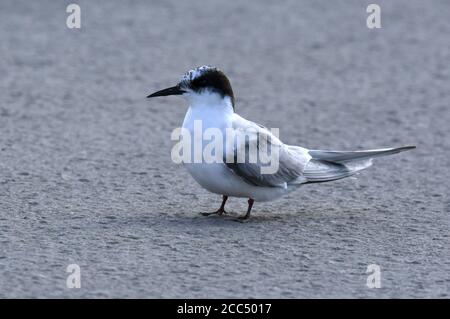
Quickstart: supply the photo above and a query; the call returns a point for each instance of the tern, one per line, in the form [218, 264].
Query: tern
[211, 101]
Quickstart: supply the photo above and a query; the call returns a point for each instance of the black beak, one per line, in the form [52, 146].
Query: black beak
[174, 90]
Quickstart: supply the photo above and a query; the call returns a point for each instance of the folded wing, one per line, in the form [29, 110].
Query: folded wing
[249, 138]
[327, 166]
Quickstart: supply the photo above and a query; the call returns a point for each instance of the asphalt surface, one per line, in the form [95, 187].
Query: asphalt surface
[85, 169]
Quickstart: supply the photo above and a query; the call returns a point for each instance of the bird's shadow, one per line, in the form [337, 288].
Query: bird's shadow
[195, 219]
[231, 219]
[190, 219]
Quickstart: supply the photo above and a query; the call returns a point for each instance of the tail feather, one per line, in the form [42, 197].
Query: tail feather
[327, 166]
[343, 157]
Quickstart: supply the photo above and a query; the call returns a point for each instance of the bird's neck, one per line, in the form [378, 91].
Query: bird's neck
[211, 100]
[211, 108]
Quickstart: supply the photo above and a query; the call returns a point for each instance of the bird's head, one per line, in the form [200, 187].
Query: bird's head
[201, 83]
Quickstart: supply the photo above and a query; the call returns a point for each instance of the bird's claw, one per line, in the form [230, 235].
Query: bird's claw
[242, 219]
[217, 212]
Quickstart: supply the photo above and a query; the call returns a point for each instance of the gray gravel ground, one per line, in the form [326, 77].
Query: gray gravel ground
[85, 169]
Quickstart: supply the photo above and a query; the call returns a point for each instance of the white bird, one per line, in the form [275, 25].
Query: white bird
[211, 100]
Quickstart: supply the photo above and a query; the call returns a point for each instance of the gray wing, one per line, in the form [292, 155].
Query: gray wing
[332, 165]
[286, 163]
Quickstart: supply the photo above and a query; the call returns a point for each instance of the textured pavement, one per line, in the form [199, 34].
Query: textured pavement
[85, 169]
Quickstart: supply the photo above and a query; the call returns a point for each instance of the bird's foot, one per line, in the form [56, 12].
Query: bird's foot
[242, 219]
[219, 212]
[245, 218]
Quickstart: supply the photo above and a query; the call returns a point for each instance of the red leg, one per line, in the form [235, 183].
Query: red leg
[221, 210]
[249, 209]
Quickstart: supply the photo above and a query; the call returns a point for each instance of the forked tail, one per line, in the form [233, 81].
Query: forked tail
[327, 166]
